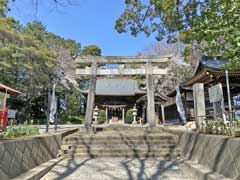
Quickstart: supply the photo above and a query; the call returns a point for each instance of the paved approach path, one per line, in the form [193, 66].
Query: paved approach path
[116, 169]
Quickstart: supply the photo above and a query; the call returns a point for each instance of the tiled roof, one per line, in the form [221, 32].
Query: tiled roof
[117, 87]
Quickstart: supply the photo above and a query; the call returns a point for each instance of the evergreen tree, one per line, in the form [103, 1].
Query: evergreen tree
[91, 50]
[210, 25]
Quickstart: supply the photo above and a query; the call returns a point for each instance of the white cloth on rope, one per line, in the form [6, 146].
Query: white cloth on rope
[179, 104]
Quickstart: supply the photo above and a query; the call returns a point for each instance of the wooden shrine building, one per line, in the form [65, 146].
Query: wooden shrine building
[116, 96]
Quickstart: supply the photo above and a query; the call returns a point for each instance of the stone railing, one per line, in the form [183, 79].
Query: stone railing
[219, 154]
[22, 154]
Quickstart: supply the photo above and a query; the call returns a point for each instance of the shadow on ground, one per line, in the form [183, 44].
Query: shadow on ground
[118, 168]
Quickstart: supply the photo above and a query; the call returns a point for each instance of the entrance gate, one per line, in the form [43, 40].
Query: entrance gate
[149, 67]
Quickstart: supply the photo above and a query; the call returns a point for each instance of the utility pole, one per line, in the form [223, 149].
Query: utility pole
[48, 106]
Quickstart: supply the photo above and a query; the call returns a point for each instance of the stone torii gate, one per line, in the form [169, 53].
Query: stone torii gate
[146, 61]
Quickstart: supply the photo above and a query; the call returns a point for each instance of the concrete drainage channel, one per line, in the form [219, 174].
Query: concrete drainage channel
[29, 158]
[112, 142]
[39, 171]
[120, 152]
[208, 157]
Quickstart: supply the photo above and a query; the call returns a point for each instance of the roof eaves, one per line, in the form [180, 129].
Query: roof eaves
[9, 90]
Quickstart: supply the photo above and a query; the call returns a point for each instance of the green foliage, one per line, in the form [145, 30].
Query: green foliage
[73, 119]
[219, 127]
[26, 63]
[163, 17]
[4, 8]
[218, 27]
[91, 50]
[101, 117]
[30, 58]
[73, 111]
[38, 30]
[20, 130]
[129, 116]
[212, 25]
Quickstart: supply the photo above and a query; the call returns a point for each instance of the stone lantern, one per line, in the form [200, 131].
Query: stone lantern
[95, 114]
[134, 115]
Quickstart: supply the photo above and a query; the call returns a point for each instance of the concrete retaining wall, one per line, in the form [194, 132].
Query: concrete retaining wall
[218, 153]
[20, 155]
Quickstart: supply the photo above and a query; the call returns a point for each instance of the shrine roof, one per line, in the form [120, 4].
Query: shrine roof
[211, 70]
[216, 63]
[9, 90]
[117, 87]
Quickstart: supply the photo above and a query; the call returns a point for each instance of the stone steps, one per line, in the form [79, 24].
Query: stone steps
[124, 143]
[117, 142]
[116, 149]
[119, 146]
[120, 138]
[130, 128]
[143, 154]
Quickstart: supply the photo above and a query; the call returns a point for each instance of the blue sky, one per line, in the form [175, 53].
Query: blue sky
[89, 22]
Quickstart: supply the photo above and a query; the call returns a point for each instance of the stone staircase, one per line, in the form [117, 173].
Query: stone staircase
[121, 142]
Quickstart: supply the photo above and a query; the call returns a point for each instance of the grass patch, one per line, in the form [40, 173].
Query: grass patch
[19, 131]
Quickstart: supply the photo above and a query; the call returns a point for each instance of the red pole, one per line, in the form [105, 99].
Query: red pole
[3, 118]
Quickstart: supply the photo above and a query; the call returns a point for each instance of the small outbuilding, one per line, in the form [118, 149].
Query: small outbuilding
[209, 71]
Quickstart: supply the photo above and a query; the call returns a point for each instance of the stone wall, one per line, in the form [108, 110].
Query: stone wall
[22, 154]
[219, 153]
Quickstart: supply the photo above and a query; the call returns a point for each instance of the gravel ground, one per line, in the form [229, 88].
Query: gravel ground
[116, 169]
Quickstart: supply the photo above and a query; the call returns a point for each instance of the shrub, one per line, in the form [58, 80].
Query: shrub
[101, 117]
[74, 119]
[129, 116]
[219, 127]
[20, 130]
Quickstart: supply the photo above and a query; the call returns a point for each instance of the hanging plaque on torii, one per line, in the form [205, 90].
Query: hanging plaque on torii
[149, 68]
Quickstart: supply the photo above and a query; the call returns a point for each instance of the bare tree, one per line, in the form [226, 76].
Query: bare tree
[63, 3]
[65, 69]
[162, 48]
[179, 70]
[55, 4]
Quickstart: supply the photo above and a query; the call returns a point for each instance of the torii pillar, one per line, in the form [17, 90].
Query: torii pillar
[150, 95]
[91, 96]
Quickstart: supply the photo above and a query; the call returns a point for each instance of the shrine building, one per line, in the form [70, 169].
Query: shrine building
[116, 96]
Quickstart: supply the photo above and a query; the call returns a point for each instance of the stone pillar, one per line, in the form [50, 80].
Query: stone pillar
[199, 105]
[163, 114]
[157, 114]
[143, 114]
[123, 115]
[106, 115]
[91, 96]
[150, 96]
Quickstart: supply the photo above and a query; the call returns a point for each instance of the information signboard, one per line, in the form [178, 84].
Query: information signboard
[215, 93]
[12, 114]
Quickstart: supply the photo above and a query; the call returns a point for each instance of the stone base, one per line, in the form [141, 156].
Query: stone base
[39, 171]
[202, 173]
